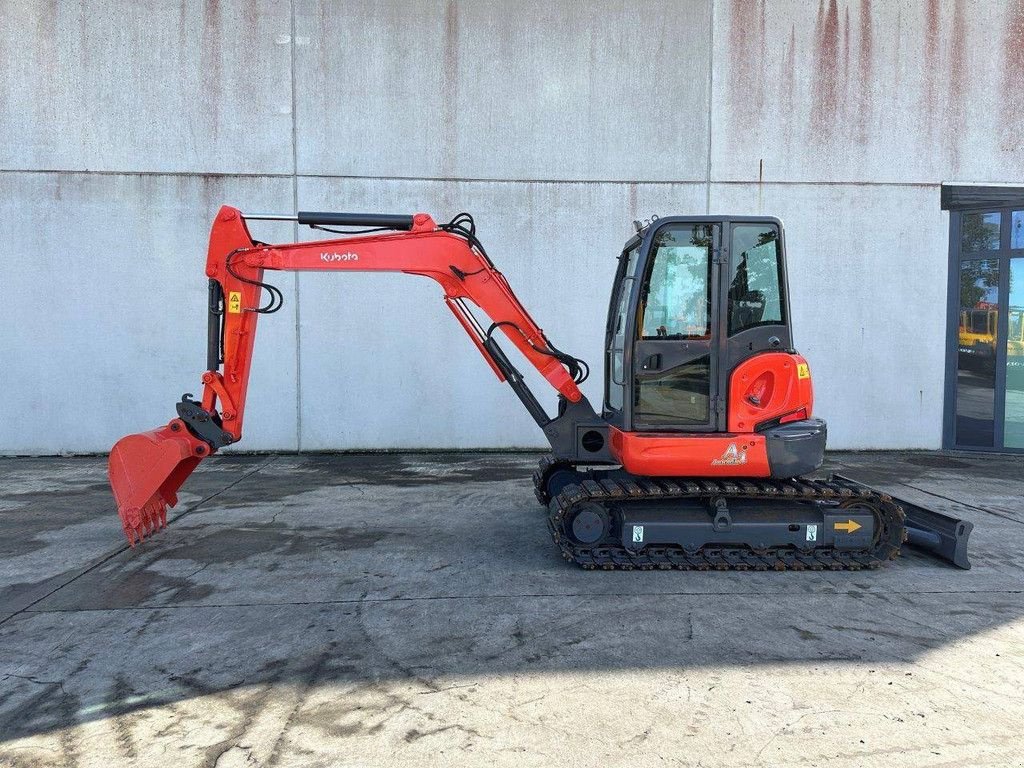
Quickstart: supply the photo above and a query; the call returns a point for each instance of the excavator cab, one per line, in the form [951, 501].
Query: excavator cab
[693, 298]
[701, 375]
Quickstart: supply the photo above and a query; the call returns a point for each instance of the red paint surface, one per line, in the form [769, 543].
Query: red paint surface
[773, 379]
[675, 455]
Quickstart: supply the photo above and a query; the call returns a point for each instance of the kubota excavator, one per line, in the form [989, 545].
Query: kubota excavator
[696, 459]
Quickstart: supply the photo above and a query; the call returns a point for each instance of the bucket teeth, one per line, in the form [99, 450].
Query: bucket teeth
[140, 523]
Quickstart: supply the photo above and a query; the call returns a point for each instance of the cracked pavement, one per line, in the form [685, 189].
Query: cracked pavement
[410, 610]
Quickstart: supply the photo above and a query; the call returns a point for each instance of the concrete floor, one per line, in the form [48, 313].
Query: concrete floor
[410, 610]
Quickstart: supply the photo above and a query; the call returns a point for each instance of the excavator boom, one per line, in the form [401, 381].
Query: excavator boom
[146, 470]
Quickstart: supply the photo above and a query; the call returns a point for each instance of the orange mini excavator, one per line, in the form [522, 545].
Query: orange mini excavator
[696, 458]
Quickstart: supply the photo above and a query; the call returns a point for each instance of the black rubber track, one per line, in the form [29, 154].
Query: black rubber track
[612, 555]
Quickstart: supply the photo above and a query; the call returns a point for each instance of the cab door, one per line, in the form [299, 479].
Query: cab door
[754, 294]
[617, 347]
[675, 361]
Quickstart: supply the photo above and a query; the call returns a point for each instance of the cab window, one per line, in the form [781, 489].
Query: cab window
[676, 298]
[616, 354]
[755, 279]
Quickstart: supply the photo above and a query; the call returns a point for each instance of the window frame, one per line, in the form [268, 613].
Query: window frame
[622, 291]
[708, 343]
[645, 282]
[959, 201]
[780, 276]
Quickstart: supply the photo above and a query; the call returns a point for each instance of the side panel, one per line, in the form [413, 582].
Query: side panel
[675, 455]
[788, 450]
[767, 387]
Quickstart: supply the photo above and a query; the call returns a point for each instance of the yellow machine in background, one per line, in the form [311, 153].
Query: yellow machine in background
[1014, 333]
[977, 338]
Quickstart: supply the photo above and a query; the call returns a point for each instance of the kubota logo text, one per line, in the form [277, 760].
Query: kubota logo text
[347, 256]
[731, 457]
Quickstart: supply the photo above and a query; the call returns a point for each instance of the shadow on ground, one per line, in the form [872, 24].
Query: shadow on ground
[311, 571]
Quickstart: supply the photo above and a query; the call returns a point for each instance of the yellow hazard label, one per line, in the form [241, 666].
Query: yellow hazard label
[802, 371]
[849, 526]
[235, 302]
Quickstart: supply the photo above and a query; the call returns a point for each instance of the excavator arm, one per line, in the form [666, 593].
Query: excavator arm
[146, 470]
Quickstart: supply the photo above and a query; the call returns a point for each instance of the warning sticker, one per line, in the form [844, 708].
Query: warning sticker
[802, 371]
[638, 534]
[812, 533]
[235, 302]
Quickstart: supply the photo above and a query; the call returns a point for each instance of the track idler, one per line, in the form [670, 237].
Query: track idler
[146, 470]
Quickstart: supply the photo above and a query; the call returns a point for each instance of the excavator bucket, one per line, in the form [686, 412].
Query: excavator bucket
[146, 470]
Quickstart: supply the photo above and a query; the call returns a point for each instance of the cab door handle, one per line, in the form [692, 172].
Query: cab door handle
[652, 363]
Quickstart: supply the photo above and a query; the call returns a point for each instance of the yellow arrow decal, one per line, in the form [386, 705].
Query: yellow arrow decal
[849, 526]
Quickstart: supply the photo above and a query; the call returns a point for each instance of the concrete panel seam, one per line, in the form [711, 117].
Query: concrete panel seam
[498, 180]
[354, 177]
[780, 183]
[466, 180]
[182, 174]
[711, 98]
[295, 237]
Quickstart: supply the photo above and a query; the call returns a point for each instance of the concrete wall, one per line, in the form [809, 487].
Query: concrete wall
[125, 125]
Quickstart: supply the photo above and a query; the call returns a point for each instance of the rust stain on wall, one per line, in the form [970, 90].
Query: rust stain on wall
[824, 110]
[251, 17]
[899, 50]
[450, 89]
[954, 129]
[958, 55]
[212, 71]
[747, 53]
[844, 35]
[1012, 95]
[933, 27]
[859, 58]
[865, 54]
[788, 78]
[762, 37]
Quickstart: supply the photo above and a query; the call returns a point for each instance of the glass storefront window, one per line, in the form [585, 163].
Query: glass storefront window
[976, 359]
[1017, 230]
[987, 375]
[980, 232]
[1013, 420]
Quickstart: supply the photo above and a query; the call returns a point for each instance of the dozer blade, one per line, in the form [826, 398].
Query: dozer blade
[944, 536]
[146, 470]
